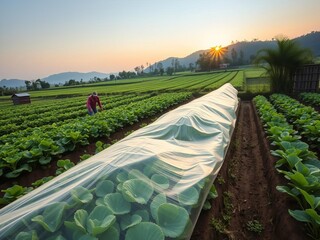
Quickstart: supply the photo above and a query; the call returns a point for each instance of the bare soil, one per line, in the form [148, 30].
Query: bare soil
[246, 185]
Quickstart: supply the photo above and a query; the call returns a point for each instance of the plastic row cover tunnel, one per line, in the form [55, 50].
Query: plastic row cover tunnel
[150, 185]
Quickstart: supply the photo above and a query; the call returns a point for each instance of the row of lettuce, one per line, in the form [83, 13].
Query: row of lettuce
[310, 98]
[59, 112]
[304, 118]
[37, 146]
[287, 123]
[40, 106]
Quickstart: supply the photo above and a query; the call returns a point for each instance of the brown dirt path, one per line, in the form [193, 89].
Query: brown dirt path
[247, 191]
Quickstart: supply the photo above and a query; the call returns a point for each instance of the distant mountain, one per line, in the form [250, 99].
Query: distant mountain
[56, 78]
[192, 58]
[312, 41]
[12, 83]
[66, 76]
[250, 49]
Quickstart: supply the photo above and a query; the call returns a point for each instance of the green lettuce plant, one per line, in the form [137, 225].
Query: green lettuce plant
[81, 195]
[41, 181]
[52, 217]
[64, 165]
[13, 193]
[93, 224]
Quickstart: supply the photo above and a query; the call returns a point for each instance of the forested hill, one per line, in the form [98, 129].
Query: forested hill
[249, 49]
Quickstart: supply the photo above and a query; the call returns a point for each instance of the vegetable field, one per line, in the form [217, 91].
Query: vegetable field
[267, 187]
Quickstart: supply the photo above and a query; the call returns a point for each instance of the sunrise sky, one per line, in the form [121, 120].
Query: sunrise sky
[41, 37]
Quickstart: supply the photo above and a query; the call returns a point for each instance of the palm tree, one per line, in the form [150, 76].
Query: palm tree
[282, 63]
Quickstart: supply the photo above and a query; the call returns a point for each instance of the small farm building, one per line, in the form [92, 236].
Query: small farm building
[20, 98]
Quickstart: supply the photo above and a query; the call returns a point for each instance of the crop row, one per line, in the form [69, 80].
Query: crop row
[185, 82]
[305, 119]
[234, 78]
[41, 107]
[56, 116]
[297, 163]
[190, 82]
[40, 146]
[310, 98]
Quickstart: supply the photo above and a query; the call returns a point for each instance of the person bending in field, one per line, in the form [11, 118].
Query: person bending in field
[92, 101]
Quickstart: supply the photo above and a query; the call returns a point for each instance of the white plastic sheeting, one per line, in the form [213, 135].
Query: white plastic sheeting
[153, 182]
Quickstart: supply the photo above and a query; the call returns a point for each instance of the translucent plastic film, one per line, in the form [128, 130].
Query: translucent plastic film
[150, 185]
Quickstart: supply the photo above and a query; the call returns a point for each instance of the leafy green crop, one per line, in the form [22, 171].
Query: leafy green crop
[298, 164]
[14, 193]
[64, 165]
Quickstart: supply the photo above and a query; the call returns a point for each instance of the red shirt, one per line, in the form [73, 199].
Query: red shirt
[92, 102]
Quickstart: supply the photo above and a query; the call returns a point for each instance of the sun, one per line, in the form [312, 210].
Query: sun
[218, 51]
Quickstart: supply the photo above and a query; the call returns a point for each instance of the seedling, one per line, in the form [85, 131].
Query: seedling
[63, 165]
[254, 226]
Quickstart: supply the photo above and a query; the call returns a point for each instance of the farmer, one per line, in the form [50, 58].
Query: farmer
[92, 101]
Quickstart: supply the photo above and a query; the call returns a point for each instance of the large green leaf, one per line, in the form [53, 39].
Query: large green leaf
[51, 219]
[144, 214]
[117, 204]
[313, 201]
[112, 233]
[81, 195]
[122, 177]
[189, 197]
[300, 215]
[145, 231]
[15, 173]
[104, 187]
[43, 160]
[155, 204]
[80, 218]
[160, 180]
[45, 144]
[128, 221]
[137, 190]
[27, 236]
[298, 179]
[172, 219]
[293, 159]
[99, 220]
[314, 215]
[293, 192]
[302, 168]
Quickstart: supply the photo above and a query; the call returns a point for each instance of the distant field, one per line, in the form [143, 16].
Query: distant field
[180, 82]
[250, 79]
[256, 80]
